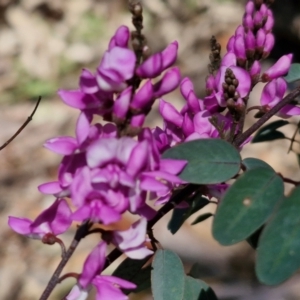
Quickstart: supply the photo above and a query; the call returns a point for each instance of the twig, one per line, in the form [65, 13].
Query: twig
[243, 136]
[288, 180]
[23, 126]
[80, 234]
[293, 137]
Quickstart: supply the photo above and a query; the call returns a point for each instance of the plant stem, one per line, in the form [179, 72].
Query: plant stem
[243, 136]
[80, 233]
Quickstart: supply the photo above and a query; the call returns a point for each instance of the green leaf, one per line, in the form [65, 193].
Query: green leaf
[202, 218]
[131, 270]
[196, 289]
[167, 277]
[294, 73]
[180, 215]
[252, 163]
[246, 205]
[279, 245]
[198, 202]
[269, 132]
[177, 219]
[209, 160]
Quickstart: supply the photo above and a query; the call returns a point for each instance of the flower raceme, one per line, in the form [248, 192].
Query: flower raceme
[113, 168]
[109, 169]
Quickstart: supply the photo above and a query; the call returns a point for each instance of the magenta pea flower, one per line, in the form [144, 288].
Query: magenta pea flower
[56, 219]
[158, 62]
[116, 67]
[273, 93]
[230, 61]
[280, 68]
[120, 38]
[108, 287]
[132, 241]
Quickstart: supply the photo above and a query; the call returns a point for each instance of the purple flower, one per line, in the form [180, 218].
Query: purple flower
[105, 175]
[56, 220]
[143, 98]
[108, 287]
[280, 68]
[243, 77]
[120, 39]
[273, 93]
[132, 241]
[158, 62]
[116, 67]
[121, 105]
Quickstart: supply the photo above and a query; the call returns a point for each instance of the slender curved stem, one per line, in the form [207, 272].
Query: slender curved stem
[80, 234]
[23, 126]
[243, 136]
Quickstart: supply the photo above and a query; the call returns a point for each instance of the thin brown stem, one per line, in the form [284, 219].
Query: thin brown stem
[240, 139]
[253, 107]
[80, 234]
[23, 126]
[288, 180]
[293, 137]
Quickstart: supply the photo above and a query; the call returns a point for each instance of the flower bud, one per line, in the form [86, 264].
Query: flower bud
[280, 68]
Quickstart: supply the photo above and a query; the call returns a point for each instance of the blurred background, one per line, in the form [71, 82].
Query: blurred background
[43, 46]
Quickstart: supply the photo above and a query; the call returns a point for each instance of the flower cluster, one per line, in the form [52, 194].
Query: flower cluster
[109, 169]
[230, 86]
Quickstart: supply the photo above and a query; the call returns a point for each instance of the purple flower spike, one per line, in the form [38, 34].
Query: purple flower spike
[168, 83]
[121, 104]
[143, 98]
[280, 68]
[132, 241]
[169, 55]
[152, 67]
[87, 82]
[116, 67]
[56, 220]
[120, 39]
